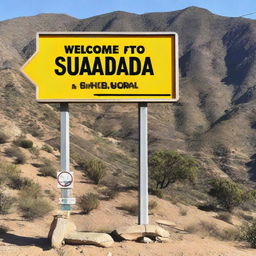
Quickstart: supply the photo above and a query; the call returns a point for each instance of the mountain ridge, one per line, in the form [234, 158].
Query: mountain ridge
[217, 103]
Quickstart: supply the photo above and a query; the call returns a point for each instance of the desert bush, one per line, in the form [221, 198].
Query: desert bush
[33, 208]
[249, 234]
[210, 229]
[131, 208]
[183, 211]
[47, 148]
[110, 192]
[3, 137]
[228, 193]
[157, 192]
[88, 202]
[81, 162]
[14, 151]
[8, 172]
[31, 203]
[50, 194]
[221, 150]
[95, 170]
[17, 182]
[152, 205]
[6, 203]
[167, 167]
[35, 130]
[47, 169]
[30, 189]
[23, 142]
[35, 151]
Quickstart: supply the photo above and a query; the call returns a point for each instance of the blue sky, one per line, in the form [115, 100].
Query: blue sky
[87, 8]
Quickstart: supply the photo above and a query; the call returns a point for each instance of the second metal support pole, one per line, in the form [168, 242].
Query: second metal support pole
[64, 150]
[143, 163]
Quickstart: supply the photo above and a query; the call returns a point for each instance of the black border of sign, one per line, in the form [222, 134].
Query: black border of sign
[71, 179]
[96, 34]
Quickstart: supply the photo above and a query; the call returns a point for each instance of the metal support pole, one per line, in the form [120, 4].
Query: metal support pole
[143, 163]
[64, 150]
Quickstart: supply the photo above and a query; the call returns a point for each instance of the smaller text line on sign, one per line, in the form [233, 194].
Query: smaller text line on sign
[105, 67]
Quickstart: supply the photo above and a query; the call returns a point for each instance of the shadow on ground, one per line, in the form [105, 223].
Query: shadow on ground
[26, 241]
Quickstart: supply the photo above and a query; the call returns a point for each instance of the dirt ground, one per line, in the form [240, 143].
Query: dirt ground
[29, 238]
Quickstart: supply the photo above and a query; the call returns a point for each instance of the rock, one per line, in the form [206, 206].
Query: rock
[137, 231]
[154, 230]
[131, 232]
[98, 239]
[146, 240]
[60, 227]
[160, 239]
[109, 254]
[166, 223]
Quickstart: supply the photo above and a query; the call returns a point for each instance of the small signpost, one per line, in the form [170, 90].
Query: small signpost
[139, 67]
[65, 179]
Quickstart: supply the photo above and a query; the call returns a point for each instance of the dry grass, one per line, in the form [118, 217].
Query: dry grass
[210, 229]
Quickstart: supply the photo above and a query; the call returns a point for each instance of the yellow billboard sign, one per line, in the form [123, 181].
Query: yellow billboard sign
[105, 67]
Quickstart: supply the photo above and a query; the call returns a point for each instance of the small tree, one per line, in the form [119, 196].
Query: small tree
[228, 193]
[167, 167]
[95, 170]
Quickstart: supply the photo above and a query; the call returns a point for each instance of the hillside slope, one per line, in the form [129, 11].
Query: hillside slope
[216, 110]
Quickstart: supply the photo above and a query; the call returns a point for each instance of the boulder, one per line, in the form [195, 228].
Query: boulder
[146, 240]
[154, 230]
[137, 231]
[59, 229]
[98, 239]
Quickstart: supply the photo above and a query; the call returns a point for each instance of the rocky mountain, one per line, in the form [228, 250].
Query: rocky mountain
[214, 120]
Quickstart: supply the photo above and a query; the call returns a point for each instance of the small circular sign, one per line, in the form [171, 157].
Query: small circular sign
[65, 179]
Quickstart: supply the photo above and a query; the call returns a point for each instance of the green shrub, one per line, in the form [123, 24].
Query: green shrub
[228, 193]
[14, 151]
[24, 184]
[95, 170]
[6, 203]
[23, 142]
[88, 202]
[47, 148]
[31, 203]
[30, 189]
[167, 167]
[33, 208]
[110, 193]
[249, 234]
[47, 169]
[8, 172]
[3, 137]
